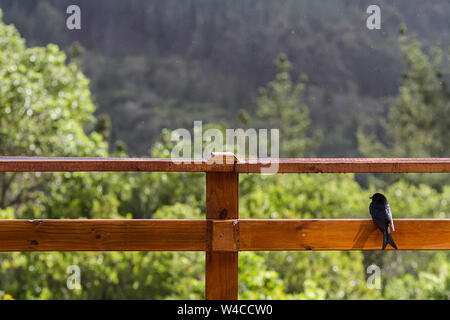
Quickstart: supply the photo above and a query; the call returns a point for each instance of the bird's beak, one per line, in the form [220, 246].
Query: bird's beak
[370, 197]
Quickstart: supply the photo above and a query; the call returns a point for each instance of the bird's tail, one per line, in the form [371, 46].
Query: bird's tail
[387, 239]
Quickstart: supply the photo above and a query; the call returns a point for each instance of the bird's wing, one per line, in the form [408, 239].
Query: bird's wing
[389, 214]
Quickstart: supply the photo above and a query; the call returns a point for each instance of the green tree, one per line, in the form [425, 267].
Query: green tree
[418, 122]
[45, 110]
[280, 105]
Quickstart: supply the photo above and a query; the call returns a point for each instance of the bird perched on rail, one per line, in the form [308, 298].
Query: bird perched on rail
[382, 216]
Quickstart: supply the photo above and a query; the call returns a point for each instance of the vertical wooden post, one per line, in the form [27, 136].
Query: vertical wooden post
[222, 201]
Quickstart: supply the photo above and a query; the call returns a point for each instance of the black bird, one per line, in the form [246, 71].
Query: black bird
[382, 216]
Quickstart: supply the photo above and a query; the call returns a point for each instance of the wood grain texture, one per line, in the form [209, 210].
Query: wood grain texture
[102, 235]
[222, 203]
[61, 164]
[222, 193]
[349, 165]
[223, 235]
[297, 165]
[341, 234]
[190, 235]
[221, 275]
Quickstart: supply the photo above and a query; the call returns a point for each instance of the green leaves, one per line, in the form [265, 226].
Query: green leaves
[48, 100]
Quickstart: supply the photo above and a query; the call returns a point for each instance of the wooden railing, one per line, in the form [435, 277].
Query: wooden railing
[222, 235]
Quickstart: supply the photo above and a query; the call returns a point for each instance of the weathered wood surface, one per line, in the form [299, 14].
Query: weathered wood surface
[297, 165]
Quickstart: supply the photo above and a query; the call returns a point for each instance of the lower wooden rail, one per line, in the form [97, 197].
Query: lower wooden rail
[342, 234]
[224, 236]
[102, 235]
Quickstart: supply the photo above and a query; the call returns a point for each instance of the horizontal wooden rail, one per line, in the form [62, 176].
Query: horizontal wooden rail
[349, 165]
[192, 235]
[102, 235]
[342, 234]
[298, 165]
[55, 164]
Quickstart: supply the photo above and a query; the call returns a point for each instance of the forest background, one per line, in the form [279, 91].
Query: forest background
[138, 69]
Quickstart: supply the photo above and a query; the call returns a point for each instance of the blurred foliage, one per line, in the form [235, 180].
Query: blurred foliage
[168, 62]
[418, 123]
[46, 109]
[280, 106]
